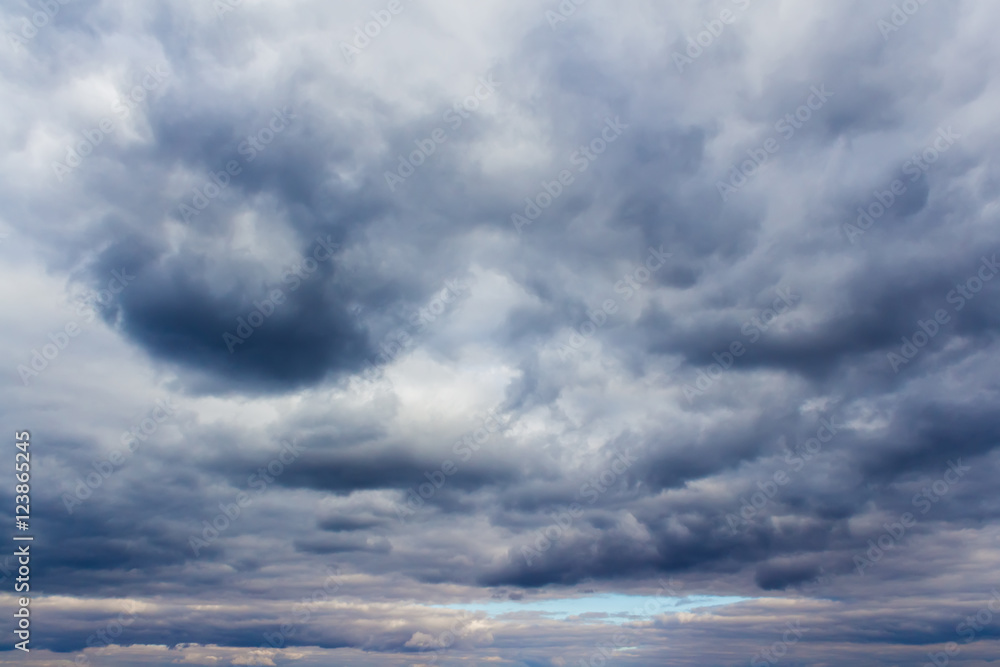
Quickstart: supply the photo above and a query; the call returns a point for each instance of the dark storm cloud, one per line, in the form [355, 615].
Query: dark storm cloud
[879, 540]
[177, 313]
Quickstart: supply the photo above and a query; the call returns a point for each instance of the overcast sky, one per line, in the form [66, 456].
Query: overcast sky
[415, 333]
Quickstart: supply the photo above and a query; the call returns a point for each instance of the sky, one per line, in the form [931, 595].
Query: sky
[410, 332]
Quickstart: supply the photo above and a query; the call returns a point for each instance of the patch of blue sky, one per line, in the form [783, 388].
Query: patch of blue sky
[608, 607]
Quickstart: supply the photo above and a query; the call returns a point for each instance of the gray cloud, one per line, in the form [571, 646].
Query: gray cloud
[274, 288]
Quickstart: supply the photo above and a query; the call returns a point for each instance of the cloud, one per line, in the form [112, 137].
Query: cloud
[463, 384]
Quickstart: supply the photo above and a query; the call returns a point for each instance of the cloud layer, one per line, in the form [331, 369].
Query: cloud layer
[333, 323]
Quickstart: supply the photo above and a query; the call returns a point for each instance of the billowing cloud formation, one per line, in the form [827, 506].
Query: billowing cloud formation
[333, 323]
